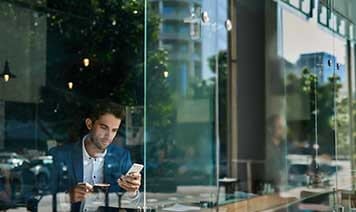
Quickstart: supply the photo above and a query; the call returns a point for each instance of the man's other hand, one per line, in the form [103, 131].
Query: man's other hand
[131, 182]
[79, 192]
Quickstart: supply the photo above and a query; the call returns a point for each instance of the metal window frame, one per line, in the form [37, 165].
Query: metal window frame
[349, 33]
[308, 14]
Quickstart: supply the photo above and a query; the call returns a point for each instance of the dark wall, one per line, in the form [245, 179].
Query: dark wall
[250, 46]
[251, 79]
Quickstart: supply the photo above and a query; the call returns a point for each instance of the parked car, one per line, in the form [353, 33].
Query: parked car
[298, 174]
[10, 160]
[41, 168]
[303, 170]
[31, 178]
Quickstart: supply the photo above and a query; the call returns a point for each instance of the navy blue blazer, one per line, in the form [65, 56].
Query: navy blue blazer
[68, 166]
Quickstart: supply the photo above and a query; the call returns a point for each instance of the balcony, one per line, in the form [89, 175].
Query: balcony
[174, 36]
[180, 16]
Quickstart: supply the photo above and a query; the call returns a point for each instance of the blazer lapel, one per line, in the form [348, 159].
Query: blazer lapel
[77, 159]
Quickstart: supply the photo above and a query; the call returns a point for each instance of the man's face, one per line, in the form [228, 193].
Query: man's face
[103, 130]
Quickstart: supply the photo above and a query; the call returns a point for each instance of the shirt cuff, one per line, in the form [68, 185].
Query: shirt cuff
[133, 195]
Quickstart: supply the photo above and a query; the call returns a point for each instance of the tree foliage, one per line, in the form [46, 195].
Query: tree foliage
[320, 97]
[111, 35]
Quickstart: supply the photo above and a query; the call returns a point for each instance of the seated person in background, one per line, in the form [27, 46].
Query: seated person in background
[94, 159]
[276, 153]
[5, 189]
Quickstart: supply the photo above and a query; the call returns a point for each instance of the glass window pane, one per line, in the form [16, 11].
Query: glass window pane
[308, 72]
[58, 59]
[180, 106]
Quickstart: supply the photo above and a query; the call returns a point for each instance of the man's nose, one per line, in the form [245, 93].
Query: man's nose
[111, 134]
[107, 133]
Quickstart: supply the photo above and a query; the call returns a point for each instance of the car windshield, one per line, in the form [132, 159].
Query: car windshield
[298, 169]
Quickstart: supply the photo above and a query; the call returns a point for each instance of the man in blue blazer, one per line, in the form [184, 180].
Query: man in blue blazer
[94, 159]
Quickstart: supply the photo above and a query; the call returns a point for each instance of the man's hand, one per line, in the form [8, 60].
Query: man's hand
[131, 182]
[79, 192]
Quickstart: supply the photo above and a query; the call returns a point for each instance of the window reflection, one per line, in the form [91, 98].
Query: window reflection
[315, 113]
[65, 55]
[276, 152]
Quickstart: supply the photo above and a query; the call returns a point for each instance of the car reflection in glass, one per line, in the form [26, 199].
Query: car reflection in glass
[31, 178]
[302, 169]
[10, 160]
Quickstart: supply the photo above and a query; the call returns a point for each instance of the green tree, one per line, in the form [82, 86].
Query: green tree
[111, 35]
[320, 98]
[220, 61]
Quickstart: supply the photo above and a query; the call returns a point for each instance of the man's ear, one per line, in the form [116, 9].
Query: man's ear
[88, 123]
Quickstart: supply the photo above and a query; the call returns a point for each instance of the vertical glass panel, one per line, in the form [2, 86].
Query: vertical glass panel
[59, 58]
[306, 4]
[333, 21]
[342, 27]
[317, 106]
[180, 104]
[342, 120]
[295, 3]
[342, 116]
[353, 117]
[308, 110]
[323, 14]
[351, 32]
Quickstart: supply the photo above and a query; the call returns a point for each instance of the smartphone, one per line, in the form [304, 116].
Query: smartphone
[85, 184]
[135, 168]
[102, 185]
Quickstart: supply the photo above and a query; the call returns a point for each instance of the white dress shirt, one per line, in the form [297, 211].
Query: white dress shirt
[93, 172]
[93, 167]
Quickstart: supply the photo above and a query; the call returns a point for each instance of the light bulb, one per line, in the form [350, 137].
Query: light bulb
[86, 62]
[165, 74]
[6, 77]
[70, 85]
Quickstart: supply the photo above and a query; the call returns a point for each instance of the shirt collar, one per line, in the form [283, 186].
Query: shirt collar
[86, 155]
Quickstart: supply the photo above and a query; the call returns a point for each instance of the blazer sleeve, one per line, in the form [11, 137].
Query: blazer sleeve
[127, 163]
[117, 164]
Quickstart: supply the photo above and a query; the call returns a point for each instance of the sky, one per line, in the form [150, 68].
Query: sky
[214, 34]
[306, 36]
[300, 36]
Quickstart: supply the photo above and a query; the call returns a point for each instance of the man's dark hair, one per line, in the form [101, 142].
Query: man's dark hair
[103, 107]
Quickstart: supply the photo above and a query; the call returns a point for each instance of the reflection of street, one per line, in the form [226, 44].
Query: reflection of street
[340, 180]
[199, 196]
[344, 174]
[21, 179]
[10, 160]
[196, 195]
